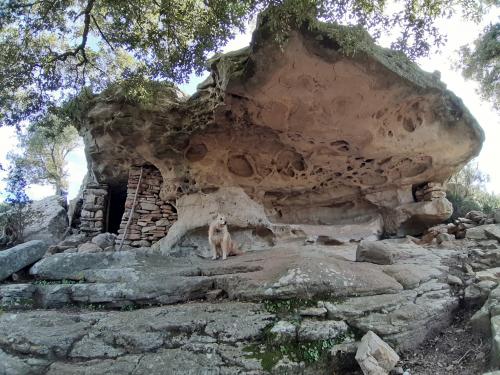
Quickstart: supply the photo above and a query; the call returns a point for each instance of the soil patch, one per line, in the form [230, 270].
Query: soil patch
[456, 350]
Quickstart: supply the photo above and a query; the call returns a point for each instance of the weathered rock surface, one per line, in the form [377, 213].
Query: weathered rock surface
[312, 330]
[20, 256]
[484, 232]
[198, 337]
[89, 247]
[121, 277]
[51, 223]
[310, 134]
[403, 302]
[104, 240]
[374, 356]
[12, 365]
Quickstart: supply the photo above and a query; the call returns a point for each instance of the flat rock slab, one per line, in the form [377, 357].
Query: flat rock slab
[493, 231]
[404, 319]
[143, 278]
[484, 232]
[118, 279]
[192, 337]
[216, 336]
[20, 256]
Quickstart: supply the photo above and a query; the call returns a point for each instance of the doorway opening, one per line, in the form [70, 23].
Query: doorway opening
[116, 207]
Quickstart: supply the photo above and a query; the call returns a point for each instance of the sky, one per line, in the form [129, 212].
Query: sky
[459, 33]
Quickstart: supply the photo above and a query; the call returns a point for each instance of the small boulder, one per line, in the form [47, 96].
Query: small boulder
[56, 249]
[475, 216]
[74, 240]
[51, 222]
[104, 240]
[20, 256]
[493, 231]
[454, 280]
[444, 237]
[492, 274]
[378, 252]
[496, 216]
[89, 247]
[374, 356]
[484, 232]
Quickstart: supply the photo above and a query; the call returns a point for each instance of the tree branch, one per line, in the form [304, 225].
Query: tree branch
[27, 5]
[81, 47]
[102, 34]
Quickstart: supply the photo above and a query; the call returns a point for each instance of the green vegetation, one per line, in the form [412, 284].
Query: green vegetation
[482, 63]
[16, 212]
[270, 351]
[287, 306]
[51, 50]
[94, 306]
[466, 191]
[44, 148]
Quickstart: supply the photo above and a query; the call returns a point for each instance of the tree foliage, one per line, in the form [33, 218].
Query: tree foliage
[44, 149]
[467, 192]
[16, 213]
[53, 48]
[482, 63]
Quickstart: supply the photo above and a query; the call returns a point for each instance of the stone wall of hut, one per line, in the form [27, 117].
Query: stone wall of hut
[152, 216]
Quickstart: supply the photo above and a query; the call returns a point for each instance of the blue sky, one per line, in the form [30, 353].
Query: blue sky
[459, 33]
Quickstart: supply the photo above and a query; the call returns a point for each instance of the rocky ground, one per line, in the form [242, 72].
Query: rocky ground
[457, 349]
[294, 309]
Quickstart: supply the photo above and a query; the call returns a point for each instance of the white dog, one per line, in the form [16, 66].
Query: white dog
[219, 238]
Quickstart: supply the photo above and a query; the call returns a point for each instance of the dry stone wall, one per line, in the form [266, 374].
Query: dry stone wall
[430, 192]
[95, 198]
[152, 216]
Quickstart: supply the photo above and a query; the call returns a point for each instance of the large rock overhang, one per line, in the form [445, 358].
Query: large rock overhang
[326, 129]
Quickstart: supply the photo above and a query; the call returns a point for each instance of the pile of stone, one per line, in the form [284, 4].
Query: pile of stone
[430, 191]
[93, 209]
[152, 216]
[472, 219]
[461, 227]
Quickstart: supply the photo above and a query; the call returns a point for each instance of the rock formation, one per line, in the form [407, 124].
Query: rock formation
[51, 223]
[329, 134]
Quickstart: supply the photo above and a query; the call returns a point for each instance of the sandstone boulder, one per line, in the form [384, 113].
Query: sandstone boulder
[311, 134]
[20, 256]
[89, 247]
[51, 222]
[104, 240]
[374, 356]
[377, 252]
